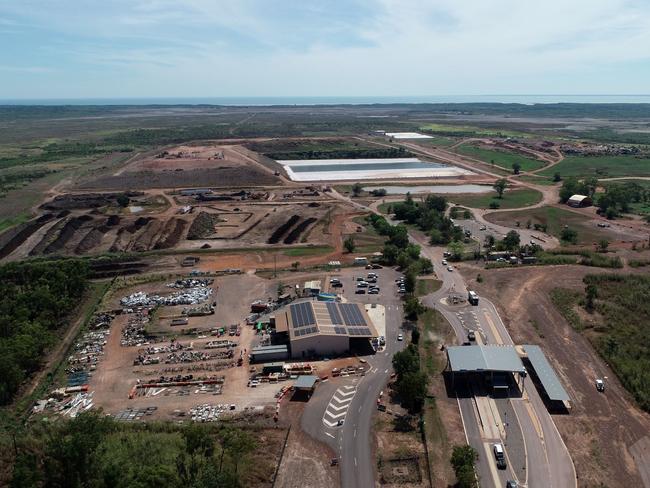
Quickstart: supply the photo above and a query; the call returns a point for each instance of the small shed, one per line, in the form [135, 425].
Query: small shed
[312, 288]
[306, 382]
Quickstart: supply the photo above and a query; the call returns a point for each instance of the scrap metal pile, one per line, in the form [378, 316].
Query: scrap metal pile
[65, 404]
[88, 351]
[133, 333]
[189, 296]
[191, 283]
[209, 413]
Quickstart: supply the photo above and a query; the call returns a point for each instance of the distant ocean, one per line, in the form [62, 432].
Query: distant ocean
[266, 101]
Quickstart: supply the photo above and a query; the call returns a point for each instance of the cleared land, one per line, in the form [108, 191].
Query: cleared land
[502, 159]
[555, 219]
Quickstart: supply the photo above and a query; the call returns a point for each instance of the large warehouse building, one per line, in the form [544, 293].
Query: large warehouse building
[324, 328]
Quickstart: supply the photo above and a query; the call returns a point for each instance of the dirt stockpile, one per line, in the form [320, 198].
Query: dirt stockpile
[14, 237]
[67, 232]
[224, 176]
[85, 200]
[283, 229]
[299, 229]
[171, 234]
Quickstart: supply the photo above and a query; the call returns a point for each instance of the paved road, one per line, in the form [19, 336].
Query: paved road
[334, 400]
[545, 462]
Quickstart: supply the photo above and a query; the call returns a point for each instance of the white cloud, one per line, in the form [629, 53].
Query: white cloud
[393, 47]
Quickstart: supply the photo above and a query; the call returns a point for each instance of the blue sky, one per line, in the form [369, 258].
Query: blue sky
[214, 48]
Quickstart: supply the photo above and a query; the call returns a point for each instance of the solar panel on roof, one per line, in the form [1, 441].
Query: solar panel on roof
[352, 315]
[340, 330]
[335, 316]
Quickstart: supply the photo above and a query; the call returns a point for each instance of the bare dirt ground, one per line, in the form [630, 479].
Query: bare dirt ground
[306, 462]
[116, 374]
[601, 429]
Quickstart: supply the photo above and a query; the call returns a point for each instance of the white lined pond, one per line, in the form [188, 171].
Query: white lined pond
[367, 169]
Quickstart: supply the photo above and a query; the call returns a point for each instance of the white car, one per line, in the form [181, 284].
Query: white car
[444, 262]
[450, 268]
[400, 337]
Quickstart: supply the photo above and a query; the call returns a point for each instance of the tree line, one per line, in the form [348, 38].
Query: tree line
[36, 299]
[96, 451]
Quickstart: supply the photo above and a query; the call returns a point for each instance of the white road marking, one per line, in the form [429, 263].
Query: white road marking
[355, 462]
[327, 433]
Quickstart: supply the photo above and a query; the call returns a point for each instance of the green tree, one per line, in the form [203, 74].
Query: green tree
[494, 204]
[516, 168]
[603, 244]
[569, 235]
[411, 389]
[409, 281]
[413, 308]
[349, 244]
[591, 293]
[357, 189]
[500, 186]
[122, 200]
[406, 361]
[511, 240]
[557, 177]
[462, 460]
[457, 249]
[403, 423]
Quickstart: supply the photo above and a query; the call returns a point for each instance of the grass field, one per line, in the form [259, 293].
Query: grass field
[600, 166]
[501, 158]
[308, 251]
[555, 219]
[424, 286]
[517, 198]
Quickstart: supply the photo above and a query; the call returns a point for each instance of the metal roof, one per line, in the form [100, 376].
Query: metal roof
[484, 358]
[269, 350]
[546, 373]
[306, 381]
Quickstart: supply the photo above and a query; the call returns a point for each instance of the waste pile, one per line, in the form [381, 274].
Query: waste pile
[101, 320]
[191, 283]
[199, 311]
[189, 296]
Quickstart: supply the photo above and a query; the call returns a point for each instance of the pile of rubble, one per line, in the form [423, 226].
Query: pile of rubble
[189, 296]
[191, 283]
[101, 321]
[63, 403]
[88, 351]
[209, 413]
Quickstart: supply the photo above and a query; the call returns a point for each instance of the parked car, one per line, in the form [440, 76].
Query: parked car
[400, 337]
[360, 291]
[377, 266]
[471, 335]
[337, 285]
[362, 284]
[444, 262]
[512, 484]
[600, 385]
[373, 292]
[450, 268]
